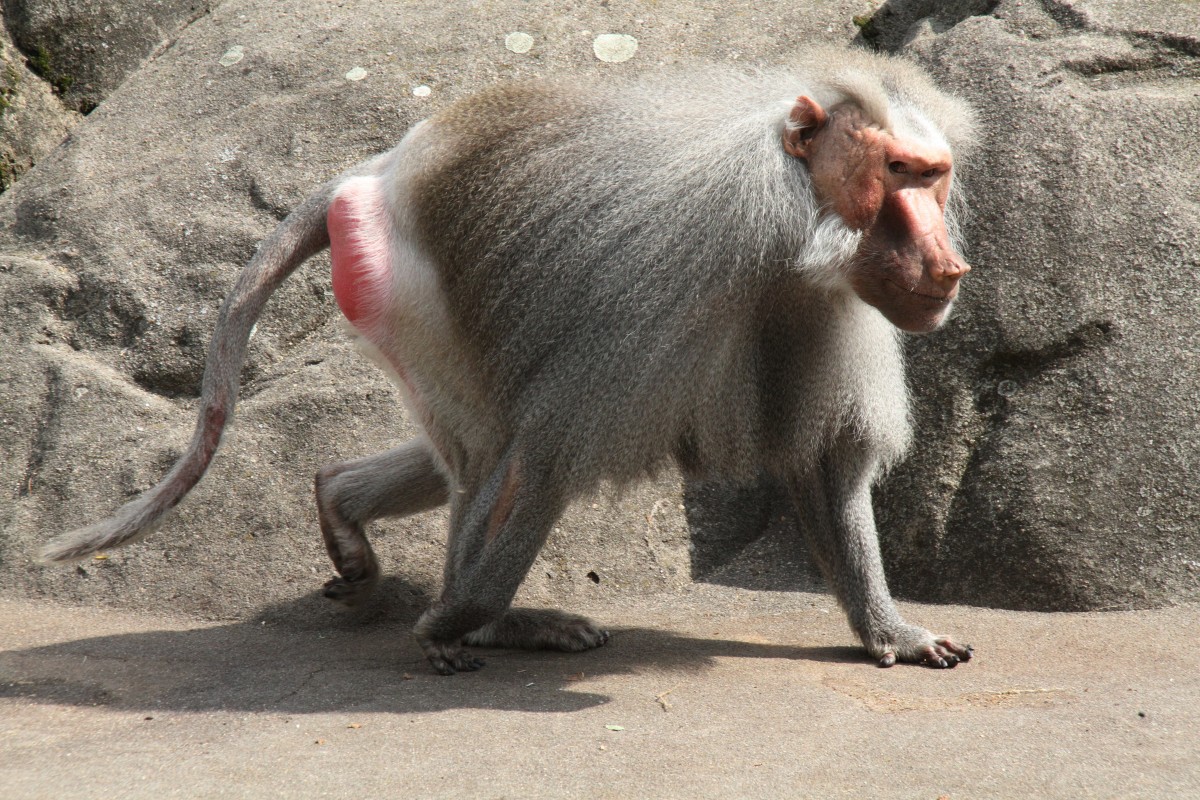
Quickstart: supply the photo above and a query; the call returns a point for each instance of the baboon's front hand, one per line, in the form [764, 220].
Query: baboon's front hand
[914, 644]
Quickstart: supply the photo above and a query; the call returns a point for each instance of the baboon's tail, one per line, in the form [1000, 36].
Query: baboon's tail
[301, 235]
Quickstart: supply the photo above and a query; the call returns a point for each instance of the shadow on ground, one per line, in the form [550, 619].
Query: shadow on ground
[301, 657]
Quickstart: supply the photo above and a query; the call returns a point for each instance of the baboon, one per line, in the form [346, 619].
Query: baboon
[574, 283]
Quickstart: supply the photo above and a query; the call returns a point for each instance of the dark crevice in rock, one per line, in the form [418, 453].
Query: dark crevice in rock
[40, 62]
[1017, 367]
[104, 312]
[1151, 59]
[170, 381]
[260, 201]
[1184, 45]
[1066, 16]
[1072, 20]
[45, 431]
[84, 52]
[36, 218]
[888, 28]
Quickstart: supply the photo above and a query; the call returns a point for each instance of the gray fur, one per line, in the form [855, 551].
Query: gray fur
[629, 275]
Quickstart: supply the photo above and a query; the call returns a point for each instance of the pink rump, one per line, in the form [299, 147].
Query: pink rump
[358, 247]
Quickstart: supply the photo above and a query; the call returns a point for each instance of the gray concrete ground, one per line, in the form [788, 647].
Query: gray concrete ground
[706, 692]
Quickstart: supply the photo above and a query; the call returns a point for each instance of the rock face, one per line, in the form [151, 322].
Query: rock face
[60, 58]
[33, 119]
[85, 49]
[1060, 412]
[1056, 413]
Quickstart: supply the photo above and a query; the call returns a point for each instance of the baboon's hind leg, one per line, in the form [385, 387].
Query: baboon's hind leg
[401, 481]
[496, 531]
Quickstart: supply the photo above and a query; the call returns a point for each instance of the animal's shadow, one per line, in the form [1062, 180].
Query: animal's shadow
[300, 657]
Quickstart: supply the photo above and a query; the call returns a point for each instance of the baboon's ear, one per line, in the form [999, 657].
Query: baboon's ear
[803, 124]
